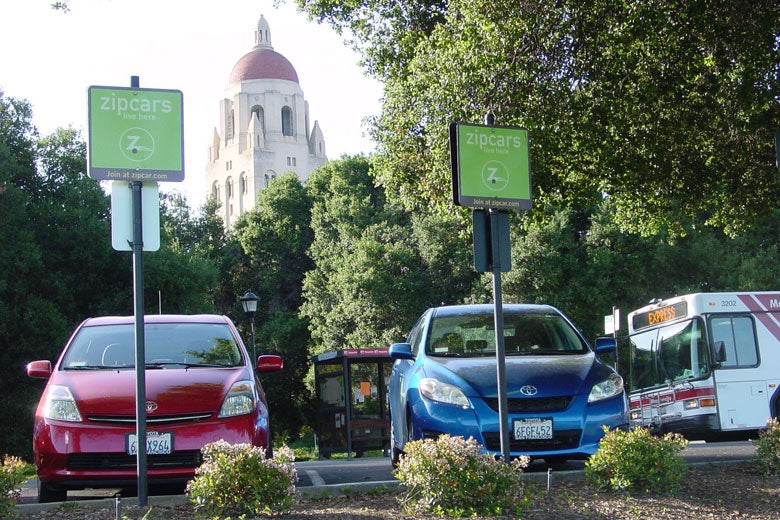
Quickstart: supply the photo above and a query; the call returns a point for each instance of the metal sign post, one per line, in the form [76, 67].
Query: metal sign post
[503, 407]
[135, 135]
[140, 344]
[491, 169]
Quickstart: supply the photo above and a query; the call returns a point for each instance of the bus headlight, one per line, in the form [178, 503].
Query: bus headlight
[694, 404]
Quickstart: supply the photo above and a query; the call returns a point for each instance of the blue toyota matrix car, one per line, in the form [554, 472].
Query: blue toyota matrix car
[560, 395]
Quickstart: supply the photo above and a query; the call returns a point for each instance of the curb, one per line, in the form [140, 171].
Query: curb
[101, 503]
[327, 490]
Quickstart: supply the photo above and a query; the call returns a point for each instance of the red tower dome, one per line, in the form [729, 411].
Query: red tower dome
[262, 62]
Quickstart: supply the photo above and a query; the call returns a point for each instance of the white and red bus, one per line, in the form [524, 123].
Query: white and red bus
[706, 365]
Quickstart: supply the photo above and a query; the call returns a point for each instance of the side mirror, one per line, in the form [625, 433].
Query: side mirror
[39, 369]
[719, 352]
[400, 351]
[606, 345]
[269, 363]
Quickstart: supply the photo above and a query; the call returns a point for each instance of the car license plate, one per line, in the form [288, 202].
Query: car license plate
[157, 443]
[532, 429]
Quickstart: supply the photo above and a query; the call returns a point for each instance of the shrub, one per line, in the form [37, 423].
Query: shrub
[451, 476]
[14, 472]
[768, 448]
[637, 461]
[238, 479]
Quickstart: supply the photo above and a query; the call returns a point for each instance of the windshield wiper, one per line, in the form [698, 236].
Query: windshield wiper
[89, 367]
[164, 364]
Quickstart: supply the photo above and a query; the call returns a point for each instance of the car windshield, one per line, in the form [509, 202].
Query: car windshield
[525, 333]
[167, 345]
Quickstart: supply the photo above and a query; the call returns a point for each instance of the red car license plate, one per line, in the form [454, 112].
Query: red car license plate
[157, 443]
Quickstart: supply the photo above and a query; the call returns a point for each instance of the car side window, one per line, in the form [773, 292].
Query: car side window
[415, 336]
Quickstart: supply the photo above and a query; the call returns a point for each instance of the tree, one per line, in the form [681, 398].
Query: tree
[20, 262]
[74, 225]
[758, 255]
[52, 219]
[668, 109]
[274, 238]
[366, 286]
[180, 277]
[376, 267]
[386, 32]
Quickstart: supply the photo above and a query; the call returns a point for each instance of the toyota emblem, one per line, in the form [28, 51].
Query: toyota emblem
[151, 406]
[529, 390]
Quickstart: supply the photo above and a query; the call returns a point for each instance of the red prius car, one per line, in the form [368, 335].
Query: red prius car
[200, 388]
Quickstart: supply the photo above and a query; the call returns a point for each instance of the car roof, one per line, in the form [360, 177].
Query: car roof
[156, 318]
[455, 310]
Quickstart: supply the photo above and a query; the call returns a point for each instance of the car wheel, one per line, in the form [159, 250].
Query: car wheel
[409, 427]
[51, 493]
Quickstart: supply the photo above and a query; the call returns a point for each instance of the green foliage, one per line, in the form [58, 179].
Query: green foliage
[285, 333]
[273, 241]
[666, 108]
[377, 266]
[57, 265]
[386, 31]
[451, 476]
[14, 472]
[51, 261]
[180, 276]
[637, 461]
[305, 447]
[768, 448]
[366, 271]
[238, 479]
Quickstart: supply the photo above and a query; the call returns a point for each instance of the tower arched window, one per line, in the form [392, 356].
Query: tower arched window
[287, 122]
[257, 111]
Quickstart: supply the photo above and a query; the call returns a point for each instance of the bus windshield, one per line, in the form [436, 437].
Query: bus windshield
[669, 354]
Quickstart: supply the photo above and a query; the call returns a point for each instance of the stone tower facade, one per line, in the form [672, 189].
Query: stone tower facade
[264, 130]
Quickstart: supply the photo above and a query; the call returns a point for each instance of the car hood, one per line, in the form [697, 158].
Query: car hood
[551, 375]
[175, 391]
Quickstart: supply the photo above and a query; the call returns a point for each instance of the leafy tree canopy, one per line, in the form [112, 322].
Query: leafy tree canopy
[668, 109]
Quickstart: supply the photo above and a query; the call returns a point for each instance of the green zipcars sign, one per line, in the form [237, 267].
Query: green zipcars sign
[491, 166]
[135, 134]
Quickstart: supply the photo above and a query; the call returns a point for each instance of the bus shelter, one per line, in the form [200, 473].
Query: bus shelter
[352, 403]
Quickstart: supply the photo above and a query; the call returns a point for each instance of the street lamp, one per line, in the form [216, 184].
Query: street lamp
[249, 304]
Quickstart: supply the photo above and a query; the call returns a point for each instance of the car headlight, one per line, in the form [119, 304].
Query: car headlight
[60, 404]
[442, 392]
[610, 387]
[240, 400]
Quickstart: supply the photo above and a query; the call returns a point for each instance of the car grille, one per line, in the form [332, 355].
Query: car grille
[118, 461]
[532, 404]
[562, 440]
[150, 419]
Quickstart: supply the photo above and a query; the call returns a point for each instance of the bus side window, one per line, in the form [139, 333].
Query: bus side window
[738, 337]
